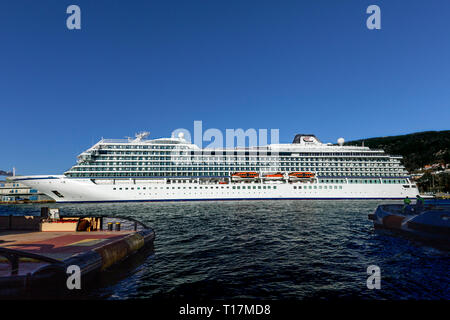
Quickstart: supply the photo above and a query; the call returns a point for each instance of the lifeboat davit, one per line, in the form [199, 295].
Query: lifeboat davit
[274, 176]
[245, 175]
[301, 175]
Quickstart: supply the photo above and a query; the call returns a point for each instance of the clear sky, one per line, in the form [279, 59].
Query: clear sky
[297, 66]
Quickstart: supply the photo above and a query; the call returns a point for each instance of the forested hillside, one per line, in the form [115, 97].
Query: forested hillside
[418, 149]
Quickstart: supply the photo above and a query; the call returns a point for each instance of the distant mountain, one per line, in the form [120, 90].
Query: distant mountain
[418, 149]
[4, 173]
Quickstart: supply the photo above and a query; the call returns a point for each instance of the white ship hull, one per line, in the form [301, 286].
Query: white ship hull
[64, 189]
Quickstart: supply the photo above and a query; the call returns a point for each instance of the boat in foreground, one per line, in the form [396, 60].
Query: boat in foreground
[432, 223]
[38, 252]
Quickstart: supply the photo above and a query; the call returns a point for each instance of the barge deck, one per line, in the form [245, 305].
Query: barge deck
[37, 252]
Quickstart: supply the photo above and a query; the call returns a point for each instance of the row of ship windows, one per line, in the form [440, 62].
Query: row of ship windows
[226, 171]
[257, 187]
[350, 181]
[233, 187]
[227, 174]
[14, 185]
[364, 181]
[184, 150]
[242, 159]
[168, 169]
[203, 187]
[368, 181]
[235, 165]
[317, 187]
[21, 191]
[140, 147]
[218, 174]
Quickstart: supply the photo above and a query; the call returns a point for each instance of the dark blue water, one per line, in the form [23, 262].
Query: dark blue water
[266, 250]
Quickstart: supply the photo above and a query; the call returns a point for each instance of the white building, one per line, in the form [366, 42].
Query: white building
[14, 191]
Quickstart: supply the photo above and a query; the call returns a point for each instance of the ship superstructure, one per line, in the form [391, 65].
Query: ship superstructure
[142, 169]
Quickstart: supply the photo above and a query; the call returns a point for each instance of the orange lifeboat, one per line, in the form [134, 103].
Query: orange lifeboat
[245, 175]
[301, 175]
[274, 176]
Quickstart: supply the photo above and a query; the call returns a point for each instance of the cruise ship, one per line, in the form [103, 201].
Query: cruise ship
[173, 169]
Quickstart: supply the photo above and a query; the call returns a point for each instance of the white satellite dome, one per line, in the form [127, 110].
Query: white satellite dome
[181, 135]
[341, 141]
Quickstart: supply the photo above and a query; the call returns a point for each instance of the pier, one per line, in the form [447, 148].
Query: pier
[36, 252]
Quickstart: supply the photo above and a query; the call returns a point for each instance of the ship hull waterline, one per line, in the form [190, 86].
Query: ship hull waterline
[70, 190]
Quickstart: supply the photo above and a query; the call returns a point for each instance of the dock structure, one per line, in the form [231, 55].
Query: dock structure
[12, 192]
[36, 252]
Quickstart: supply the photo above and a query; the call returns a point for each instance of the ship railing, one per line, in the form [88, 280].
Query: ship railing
[15, 256]
[126, 223]
[115, 141]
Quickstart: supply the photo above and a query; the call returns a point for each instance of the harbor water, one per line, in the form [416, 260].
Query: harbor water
[265, 250]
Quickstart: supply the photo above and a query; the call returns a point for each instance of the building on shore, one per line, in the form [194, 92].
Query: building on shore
[12, 191]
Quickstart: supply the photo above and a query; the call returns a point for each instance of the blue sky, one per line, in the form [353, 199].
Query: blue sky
[297, 66]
